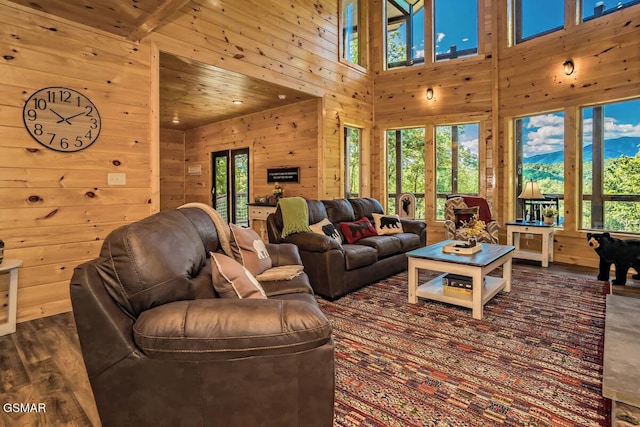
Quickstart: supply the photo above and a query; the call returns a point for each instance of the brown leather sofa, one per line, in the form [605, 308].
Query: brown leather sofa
[334, 269]
[161, 349]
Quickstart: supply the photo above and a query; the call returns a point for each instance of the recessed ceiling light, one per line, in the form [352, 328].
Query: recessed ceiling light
[175, 120]
[282, 96]
[237, 101]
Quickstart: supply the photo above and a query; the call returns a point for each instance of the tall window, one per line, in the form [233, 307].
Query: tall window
[595, 8]
[406, 171]
[611, 166]
[405, 32]
[456, 28]
[457, 170]
[351, 31]
[539, 148]
[352, 139]
[533, 18]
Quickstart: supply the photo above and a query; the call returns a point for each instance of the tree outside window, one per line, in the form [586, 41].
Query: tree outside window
[457, 168]
[539, 148]
[352, 139]
[611, 167]
[406, 167]
[455, 29]
[405, 33]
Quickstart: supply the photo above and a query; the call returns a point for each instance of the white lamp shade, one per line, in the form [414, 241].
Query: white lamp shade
[531, 191]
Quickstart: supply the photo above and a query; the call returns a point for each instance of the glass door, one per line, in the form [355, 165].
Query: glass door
[230, 186]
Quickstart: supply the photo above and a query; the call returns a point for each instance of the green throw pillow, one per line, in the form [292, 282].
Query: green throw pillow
[295, 215]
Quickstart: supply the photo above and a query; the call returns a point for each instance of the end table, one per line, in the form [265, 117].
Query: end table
[11, 266]
[516, 228]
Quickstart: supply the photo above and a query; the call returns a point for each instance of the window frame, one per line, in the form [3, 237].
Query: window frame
[346, 156]
[515, 7]
[363, 36]
[454, 169]
[597, 198]
[456, 54]
[602, 12]
[409, 62]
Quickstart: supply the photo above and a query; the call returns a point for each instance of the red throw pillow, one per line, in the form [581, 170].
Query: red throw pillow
[354, 231]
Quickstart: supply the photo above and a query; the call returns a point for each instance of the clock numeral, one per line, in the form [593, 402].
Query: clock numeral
[90, 108]
[39, 104]
[88, 135]
[37, 129]
[51, 96]
[32, 115]
[53, 136]
[79, 141]
[65, 96]
[78, 100]
[64, 143]
[94, 123]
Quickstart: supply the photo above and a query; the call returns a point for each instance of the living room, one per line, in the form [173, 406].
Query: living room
[58, 207]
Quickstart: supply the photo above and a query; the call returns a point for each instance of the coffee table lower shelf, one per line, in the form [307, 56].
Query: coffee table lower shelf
[434, 290]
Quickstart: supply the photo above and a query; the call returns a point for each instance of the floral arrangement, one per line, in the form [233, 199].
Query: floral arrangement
[278, 190]
[549, 211]
[474, 227]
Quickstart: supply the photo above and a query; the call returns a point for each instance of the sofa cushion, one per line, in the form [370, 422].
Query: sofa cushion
[384, 245]
[356, 256]
[339, 210]
[408, 241]
[366, 206]
[356, 230]
[387, 224]
[249, 250]
[327, 228]
[232, 280]
[216, 329]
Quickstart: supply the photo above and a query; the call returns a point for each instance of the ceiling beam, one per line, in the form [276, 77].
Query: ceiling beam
[149, 23]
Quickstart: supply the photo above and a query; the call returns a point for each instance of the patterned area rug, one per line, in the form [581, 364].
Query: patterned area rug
[535, 359]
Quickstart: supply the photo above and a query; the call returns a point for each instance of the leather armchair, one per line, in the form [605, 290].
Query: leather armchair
[161, 349]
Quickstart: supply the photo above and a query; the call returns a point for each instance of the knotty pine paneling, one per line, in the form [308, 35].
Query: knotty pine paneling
[277, 138]
[172, 168]
[56, 208]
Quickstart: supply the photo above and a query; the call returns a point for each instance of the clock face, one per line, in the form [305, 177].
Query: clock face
[61, 119]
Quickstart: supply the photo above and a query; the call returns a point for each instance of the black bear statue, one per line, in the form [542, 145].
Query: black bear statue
[624, 254]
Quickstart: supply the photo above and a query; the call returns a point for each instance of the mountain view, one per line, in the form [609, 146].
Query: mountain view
[613, 148]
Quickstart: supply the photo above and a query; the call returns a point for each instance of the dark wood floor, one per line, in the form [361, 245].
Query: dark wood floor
[42, 363]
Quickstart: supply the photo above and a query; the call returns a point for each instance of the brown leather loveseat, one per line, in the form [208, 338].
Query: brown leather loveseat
[336, 269]
[161, 349]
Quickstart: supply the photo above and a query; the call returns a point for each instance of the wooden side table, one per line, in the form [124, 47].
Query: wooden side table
[515, 229]
[260, 213]
[11, 266]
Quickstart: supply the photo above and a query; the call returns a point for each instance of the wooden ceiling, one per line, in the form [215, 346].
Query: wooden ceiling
[196, 94]
[191, 92]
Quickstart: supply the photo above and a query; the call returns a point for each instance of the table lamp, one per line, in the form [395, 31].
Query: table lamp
[531, 191]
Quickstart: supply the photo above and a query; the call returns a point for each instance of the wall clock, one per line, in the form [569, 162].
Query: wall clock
[61, 119]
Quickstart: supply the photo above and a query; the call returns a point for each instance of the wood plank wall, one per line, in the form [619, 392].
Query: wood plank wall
[281, 137]
[55, 208]
[172, 168]
[504, 82]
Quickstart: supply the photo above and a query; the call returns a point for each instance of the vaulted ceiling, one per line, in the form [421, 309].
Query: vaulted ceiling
[191, 93]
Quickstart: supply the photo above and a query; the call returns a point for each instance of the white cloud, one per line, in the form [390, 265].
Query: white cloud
[439, 37]
[612, 129]
[545, 134]
[471, 145]
[465, 39]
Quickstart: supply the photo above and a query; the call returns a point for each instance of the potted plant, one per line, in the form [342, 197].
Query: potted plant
[549, 214]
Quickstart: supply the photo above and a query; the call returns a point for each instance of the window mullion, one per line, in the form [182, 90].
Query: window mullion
[597, 203]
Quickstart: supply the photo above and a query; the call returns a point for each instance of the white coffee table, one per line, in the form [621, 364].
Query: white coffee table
[476, 266]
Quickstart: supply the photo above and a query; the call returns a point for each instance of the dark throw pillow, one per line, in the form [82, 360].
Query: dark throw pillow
[464, 215]
[354, 231]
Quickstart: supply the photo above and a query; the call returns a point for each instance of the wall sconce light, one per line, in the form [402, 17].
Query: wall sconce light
[430, 94]
[568, 67]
